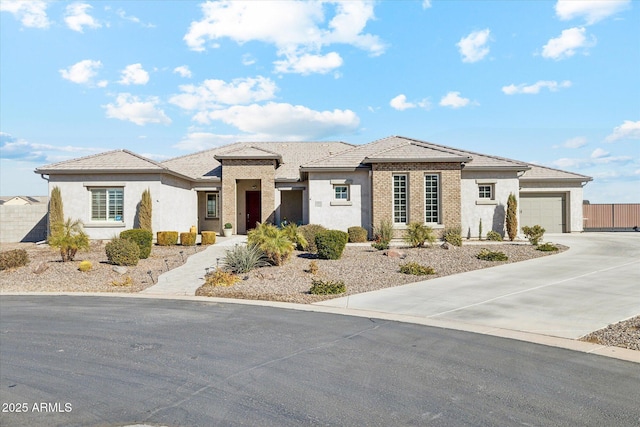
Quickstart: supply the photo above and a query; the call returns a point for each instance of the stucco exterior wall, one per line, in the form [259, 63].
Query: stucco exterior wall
[574, 198]
[324, 210]
[23, 223]
[174, 203]
[491, 212]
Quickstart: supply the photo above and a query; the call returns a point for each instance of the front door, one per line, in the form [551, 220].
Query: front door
[254, 208]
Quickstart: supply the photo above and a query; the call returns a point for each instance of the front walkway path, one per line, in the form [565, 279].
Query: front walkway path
[187, 278]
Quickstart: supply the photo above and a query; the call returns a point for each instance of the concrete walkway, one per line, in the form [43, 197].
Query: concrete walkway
[592, 285]
[186, 279]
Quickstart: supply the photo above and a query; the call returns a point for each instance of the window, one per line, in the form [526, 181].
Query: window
[107, 204]
[212, 205]
[432, 198]
[400, 199]
[485, 191]
[341, 192]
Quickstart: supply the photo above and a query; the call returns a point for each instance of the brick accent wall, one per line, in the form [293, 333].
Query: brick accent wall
[382, 191]
[241, 169]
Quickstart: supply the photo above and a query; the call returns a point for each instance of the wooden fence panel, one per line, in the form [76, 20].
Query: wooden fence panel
[611, 216]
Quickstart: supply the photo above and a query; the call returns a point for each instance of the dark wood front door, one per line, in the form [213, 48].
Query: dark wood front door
[253, 209]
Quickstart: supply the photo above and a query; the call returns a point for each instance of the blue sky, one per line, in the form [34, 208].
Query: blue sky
[550, 82]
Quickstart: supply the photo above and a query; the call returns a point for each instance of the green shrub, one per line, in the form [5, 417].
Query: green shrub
[221, 278]
[13, 259]
[292, 232]
[188, 239]
[534, 234]
[275, 244]
[244, 258]
[416, 269]
[309, 232]
[357, 234]
[417, 234]
[167, 238]
[511, 218]
[142, 238]
[382, 234]
[122, 252]
[328, 287]
[85, 266]
[331, 243]
[452, 235]
[145, 211]
[208, 237]
[487, 255]
[494, 236]
[69, 237]
[56, 210]
[547, 247]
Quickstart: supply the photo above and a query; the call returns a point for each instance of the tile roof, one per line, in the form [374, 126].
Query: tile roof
[117, 160]
[538, 172]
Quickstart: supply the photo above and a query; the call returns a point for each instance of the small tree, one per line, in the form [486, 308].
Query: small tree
[144, 214]
[69, 237]
[512, 217]
[56, 211]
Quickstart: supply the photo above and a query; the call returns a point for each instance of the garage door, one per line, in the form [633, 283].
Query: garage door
[547, 210]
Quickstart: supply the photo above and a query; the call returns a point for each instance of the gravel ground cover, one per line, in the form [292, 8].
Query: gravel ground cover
[624, 334]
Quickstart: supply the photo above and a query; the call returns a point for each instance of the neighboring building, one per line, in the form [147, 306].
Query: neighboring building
[335, 184]
[23, 219]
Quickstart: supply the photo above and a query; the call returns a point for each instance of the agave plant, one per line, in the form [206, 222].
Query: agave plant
[244, 258]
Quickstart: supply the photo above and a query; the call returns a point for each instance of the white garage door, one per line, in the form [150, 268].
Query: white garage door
[547, 210]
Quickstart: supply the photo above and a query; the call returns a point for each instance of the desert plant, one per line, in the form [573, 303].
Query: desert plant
[122, 252]
[125, 282]
[313, 268]
[294, 235]
[244, 258]
[272, 241]
[331, 243]
[533, 234]
[208, 237]
[221, 278]
[494, 236]
[142, 238]
[487, 255]
[357, 234]
[56, 211]
[167, 238]
[480, 230]
[417, 234]
[309, 232]
[228, 226]
[382, 234]
[85, 266]
[416, 269]
[144, 214]
[452, 235]
[511, 218]
[69, 237]
[188, 239]
[13, 259]
[547, 247]
[327, 287]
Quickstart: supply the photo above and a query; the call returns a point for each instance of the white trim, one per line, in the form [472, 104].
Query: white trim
[341, 181]
[340, 203]
[105, 184]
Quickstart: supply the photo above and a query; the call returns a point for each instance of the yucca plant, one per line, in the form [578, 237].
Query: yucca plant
[244, 258]
[272, 241]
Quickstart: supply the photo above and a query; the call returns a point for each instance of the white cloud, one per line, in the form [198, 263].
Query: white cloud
[31, 14]
[309, 63]
[577, 142]
[131, 108]
[599, 153]
[81, 72]
[535, 88]
[297, 29]
[183, 70]
[77, 18]
[473, 47]
[454, 100]
[12, 148]
[122, 14]
[426, 4]
[134, 74]
[213, 94]
[248, 59]
[627, 130]
[198, 141]
[286, 121]
[592, 10]
[400, 103]
[565, 46]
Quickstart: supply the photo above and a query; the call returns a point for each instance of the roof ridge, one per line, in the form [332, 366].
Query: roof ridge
[141, 157]
[75, 159]
[204, 151]
[559, 170]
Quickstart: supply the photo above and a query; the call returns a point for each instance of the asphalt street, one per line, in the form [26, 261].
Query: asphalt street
[96, 361]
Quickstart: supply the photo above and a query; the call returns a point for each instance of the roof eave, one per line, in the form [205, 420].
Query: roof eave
[332, 168]
[577, 179]
[109, 171]
[368, 160]
[469, 167]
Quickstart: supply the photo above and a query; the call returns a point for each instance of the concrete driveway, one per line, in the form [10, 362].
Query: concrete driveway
[595, 283]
